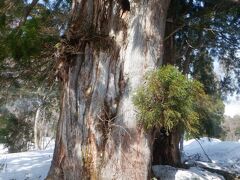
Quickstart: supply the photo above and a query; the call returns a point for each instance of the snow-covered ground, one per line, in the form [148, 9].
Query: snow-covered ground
[225, 155]
[34, 164]
[31, 165]
[196, 173]
[222, 153]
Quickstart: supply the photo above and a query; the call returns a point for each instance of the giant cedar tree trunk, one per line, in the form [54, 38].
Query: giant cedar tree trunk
[102, 61]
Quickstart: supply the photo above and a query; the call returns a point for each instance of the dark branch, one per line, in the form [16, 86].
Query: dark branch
[28, 10]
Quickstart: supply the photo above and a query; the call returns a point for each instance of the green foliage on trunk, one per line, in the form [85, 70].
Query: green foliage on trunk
[169, 99]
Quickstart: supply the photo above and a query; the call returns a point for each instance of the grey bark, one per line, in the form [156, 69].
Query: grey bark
[101, 63]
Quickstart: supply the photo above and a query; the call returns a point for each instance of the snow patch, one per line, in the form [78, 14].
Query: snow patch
[171, 173]
[34, 164]
[31, 165]
[225, 154]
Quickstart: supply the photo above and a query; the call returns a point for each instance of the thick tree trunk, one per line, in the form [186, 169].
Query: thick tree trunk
[101, 63]
[169, 44]
[166, 148]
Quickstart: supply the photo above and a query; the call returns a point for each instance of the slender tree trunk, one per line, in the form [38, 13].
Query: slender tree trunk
[36, 130]
[101, 62]
[39, 127]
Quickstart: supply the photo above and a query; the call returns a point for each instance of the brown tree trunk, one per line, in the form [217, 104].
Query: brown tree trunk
[169, 44]
[166, 150]
[101, 62]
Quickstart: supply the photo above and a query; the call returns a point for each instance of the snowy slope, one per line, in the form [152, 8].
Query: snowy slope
[222, 153]
[171, 173]
[225, 155]
[31, 165]
[34, 165]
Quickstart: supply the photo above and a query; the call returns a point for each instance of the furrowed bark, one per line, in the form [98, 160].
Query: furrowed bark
[102, 61]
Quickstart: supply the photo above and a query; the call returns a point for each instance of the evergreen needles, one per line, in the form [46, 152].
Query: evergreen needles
[169, 99]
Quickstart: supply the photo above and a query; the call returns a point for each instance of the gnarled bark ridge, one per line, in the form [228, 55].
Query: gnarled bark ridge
[102, 61]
